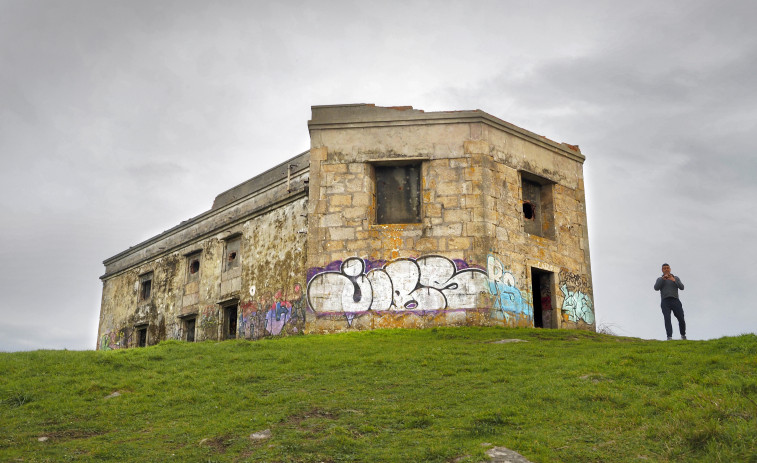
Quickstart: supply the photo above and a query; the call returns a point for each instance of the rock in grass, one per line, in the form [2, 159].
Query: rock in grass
[505, 455]
[115, 394]
[261, 435]
[43, 438]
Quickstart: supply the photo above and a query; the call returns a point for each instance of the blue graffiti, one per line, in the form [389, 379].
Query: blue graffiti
[577, 305]
[507, 297]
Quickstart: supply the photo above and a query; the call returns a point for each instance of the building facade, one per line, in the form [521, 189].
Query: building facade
[395, 217]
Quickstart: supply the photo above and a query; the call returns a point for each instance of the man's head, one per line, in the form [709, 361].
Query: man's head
[665, 269]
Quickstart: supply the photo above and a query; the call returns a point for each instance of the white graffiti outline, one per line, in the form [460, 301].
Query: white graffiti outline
[577, 305]
[508, 300]
[426, 284]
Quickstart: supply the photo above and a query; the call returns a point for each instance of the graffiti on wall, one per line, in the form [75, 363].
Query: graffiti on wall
[577, 304]
[209, 317]
[508, 301]
[573, 281]
[425, 284]
[272, 315]
[117, 339]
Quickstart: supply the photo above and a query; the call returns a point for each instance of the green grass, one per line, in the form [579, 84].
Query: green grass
[443, 395]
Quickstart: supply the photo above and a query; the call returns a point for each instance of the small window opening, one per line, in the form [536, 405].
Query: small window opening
[145, 287]
[193, 267]
[189, 329]
[398, 194]
[142, 336]
[538, 206]
[232, 256]
[528, 210]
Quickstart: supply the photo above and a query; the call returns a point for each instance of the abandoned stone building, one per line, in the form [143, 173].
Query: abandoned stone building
[394, 217]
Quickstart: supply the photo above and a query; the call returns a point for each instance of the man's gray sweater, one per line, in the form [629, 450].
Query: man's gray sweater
[668, 288]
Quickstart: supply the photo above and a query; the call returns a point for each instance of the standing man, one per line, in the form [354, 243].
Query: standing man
[668, 286]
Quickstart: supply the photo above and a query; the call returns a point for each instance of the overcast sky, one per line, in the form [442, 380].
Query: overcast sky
[120, 119]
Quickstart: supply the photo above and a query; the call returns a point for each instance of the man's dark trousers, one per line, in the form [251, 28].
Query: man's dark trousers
[673, 304]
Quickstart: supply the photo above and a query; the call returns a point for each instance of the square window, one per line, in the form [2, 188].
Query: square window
[145, 287]
[398, 194]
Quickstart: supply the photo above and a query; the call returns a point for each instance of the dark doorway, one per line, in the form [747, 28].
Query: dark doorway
[541, 288]
[230, 322]
[189, 329]
[141, 336]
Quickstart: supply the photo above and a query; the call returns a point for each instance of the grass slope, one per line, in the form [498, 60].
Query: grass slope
[392, 395]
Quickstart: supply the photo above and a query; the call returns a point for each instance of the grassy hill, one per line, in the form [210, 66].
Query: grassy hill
[392, 395]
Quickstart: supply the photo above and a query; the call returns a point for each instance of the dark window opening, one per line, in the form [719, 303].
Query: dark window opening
[528, 210]
[189, 329]
[194, 266]
[230, 322]
[145, 287]
[232, 256]
[142, 336]
[398, 194]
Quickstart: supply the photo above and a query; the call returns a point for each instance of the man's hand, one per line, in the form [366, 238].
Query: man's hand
[669, 276]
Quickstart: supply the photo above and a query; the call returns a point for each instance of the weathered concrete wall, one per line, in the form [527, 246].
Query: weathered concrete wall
[363, 274]
[264, 280]
[501, 237]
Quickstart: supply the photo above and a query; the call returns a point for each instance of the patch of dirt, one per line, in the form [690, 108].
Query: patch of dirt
[297, 419]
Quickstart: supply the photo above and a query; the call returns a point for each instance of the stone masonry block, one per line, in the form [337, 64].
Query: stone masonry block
[449, 202]
[447, 229]
[433, 210]
[459, 243]
[448, 188]
[362, 199]
[334, 246]
[357, 168]
[340, 200]
[354, 212]
[342, 233]
[331, 220]
[427, 244]
[456, 215]
[339, 167]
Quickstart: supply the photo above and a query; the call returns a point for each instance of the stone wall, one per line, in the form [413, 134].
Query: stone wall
[265, 230]
[492, 232]
[469, 259]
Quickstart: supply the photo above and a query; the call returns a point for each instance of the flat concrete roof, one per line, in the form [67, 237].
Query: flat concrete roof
[359, 115]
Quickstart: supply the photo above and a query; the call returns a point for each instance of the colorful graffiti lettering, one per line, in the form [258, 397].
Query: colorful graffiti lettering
[507, 298]
[577, 305]
[272, 315]
[112, 340]
[429, 283]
